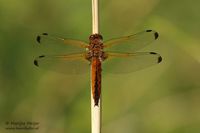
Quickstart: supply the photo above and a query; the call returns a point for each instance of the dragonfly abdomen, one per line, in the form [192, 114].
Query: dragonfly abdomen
[96, 79]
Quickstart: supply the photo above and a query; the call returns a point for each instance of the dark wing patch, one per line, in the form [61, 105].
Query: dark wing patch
[159, 59]
[45, 34]
[36, 62]
[38, 39]
[152, 53]
[148, 30]
[41, 56]
[156, 35]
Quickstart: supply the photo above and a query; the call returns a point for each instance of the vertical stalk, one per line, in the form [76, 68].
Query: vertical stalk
[95, 110]
[95, 16]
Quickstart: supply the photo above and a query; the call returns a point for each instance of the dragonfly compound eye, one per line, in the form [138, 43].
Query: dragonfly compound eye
[100, 37]
[96, 36]
[92, 37]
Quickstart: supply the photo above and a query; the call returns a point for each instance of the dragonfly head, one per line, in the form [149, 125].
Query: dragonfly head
[94, 37]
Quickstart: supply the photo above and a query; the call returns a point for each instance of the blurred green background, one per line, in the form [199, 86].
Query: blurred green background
[164, 98]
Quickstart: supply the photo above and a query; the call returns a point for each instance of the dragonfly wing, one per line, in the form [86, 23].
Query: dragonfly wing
[52, 42]
[132, 42]
[68, 64]
[130, 62]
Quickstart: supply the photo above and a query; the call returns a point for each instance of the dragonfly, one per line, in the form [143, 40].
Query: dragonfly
[117, 55]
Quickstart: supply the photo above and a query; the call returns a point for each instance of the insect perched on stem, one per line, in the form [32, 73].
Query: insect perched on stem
[97, 52]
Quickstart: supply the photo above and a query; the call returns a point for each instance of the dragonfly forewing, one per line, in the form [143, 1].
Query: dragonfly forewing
[49, 42]
[133, 42]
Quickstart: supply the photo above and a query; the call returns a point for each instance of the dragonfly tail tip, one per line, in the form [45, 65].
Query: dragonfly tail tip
[96, 105]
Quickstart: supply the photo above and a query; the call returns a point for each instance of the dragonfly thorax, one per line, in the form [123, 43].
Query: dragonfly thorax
[95, 49]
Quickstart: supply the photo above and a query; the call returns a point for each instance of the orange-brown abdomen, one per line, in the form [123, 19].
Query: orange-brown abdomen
[96, 79]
